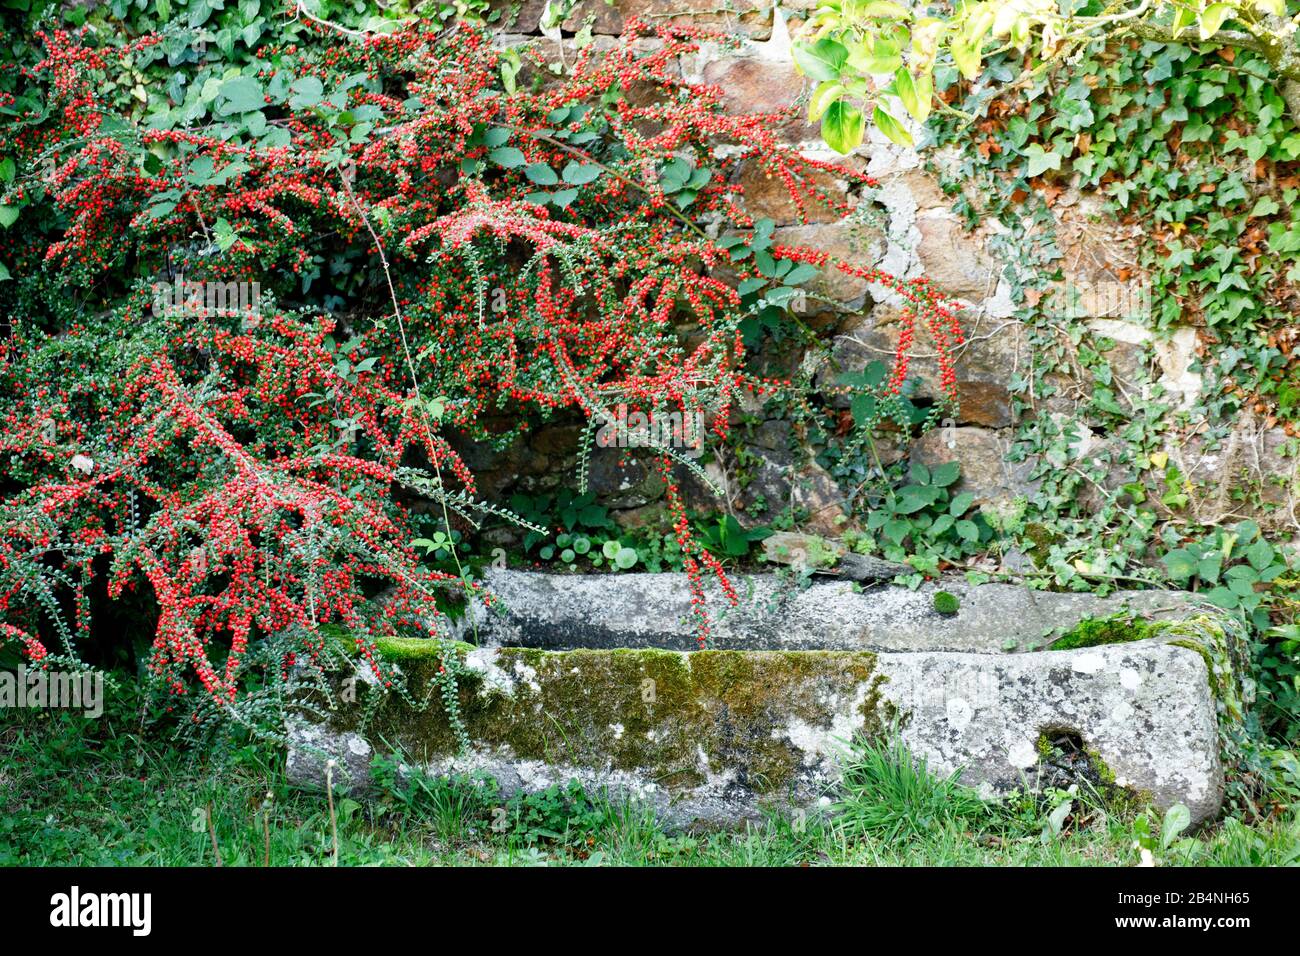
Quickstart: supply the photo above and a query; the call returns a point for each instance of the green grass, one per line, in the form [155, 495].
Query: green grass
[103, 792]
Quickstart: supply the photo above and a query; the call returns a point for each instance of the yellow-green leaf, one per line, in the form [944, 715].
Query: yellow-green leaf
[892, 128]
[842, 127]
[1275, 7]
[822, 97]
[884, 9]
[822, 60]
[914, 92]
[967, 56]
[906, 91]
[1184, 17]
[1213, 18]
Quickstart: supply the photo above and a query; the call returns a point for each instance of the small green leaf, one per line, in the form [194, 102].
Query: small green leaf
[579, 174]
[541, 174]
[507, 156]
[1041, 160]
[945, 474]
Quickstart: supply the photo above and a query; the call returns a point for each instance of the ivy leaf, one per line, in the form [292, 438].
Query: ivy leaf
[1041, 160]
[843, 127]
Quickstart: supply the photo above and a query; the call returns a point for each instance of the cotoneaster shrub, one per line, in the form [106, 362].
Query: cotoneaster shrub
[436, 239]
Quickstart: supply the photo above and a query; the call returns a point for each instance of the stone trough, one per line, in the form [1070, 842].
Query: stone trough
[596, 678]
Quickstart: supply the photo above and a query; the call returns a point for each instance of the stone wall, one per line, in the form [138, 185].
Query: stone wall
[907, 226]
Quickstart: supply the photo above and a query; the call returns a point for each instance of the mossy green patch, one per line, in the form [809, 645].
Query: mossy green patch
[1093, 632]
[676, 718]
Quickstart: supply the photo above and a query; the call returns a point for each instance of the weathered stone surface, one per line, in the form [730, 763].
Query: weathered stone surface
[761, 86]
[985, 471]
[823, 556]
[653, 610]
[816, 492]
[314, 745]
[1144, 709]
[856, 243]
[954, 260]
[1263, 461]
[713, 736]
[984, 365]
[766, 196]
[750, 18]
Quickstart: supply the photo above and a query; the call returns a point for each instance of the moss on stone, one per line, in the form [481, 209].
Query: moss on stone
[1094, 632]
[677, 718]
[946, 603]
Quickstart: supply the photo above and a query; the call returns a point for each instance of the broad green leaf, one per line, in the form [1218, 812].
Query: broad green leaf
[822, 60]
[914, 93]
[240, 94]
[894, 130]
[8, 215]
[842, 127]
[961, 504]
[945, 474]
[579, 174]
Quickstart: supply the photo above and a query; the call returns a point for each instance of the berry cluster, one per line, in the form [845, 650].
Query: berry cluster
[496, 256]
